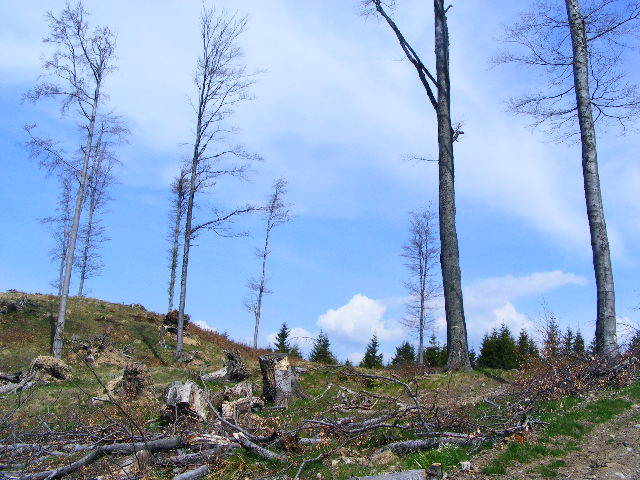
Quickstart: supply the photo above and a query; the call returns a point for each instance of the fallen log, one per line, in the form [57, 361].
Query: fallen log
[409, 446]
[162, 444]
[257, 449]
[193, 474]
[408, 475]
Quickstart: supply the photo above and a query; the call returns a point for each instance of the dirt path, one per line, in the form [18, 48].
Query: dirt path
[610, 451]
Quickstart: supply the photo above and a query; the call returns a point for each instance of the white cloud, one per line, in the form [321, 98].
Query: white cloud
[358, 320]
[489, 302]
[355, 357]
[298, 336]
[204, 325]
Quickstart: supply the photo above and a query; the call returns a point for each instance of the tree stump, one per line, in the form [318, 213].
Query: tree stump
[279, 380]
[185, 399]
[234, 369]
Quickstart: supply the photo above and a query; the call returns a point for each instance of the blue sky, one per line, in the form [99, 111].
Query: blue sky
[334, 112]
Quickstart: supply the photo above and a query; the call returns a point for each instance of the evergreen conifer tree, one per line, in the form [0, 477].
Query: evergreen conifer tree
[634, 344]
[405, 355]
[567, 341]
[372, 359]
[578, 344]
[552, 338]
[282, 340]
[498, 350]
[321, 352]
[435, 355]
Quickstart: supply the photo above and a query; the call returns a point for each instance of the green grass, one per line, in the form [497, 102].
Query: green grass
[447, 456]
[569, 420]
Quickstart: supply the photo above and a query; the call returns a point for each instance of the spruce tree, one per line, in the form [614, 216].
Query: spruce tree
[372, 359]
[634, 344]
[405, 355]
[321, 352]
[499, 350]
[578, 344]
[435, 355]
[567, 341]
[552, 339]
[282, 340]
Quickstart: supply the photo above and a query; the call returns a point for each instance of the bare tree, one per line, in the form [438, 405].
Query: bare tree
[81, 61]
[277, 213]
[222, 82]
[111, 130]
[458, 354]
[176, 215]
[580, 50]
[421, 258]
[60, 228]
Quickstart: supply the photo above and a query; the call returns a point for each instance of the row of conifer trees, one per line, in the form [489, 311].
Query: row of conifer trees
[499, 349]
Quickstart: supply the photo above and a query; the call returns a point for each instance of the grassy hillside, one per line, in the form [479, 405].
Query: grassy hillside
[131, 333]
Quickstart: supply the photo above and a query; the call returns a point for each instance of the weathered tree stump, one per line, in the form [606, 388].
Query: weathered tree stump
[279, 380]
[234, 370]
[185, 398]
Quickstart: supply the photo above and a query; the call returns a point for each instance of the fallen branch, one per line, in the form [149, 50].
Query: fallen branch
[162, 444]
[193, 474]
[257, 449]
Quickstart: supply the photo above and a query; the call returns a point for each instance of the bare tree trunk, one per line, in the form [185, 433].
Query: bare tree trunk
[185, 252]
[458, 355]
[261, 287]
[63, 256]
[58, 336]
[175, 237]
[423, 292]
[85, 249]
[606, 341]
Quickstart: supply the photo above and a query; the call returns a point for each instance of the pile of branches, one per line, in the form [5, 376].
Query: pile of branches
[412, 419]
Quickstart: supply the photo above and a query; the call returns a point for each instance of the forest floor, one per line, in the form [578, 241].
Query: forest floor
[596, 435]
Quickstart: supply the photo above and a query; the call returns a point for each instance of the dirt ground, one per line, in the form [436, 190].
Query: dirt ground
[610, 451]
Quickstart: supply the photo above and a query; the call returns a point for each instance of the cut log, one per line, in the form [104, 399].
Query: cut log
[185, 398]
[279, 380]
[407, 475]
[193, 474]
[257, 449]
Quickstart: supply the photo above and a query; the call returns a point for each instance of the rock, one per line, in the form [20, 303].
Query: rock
[279, 380]
[185, 399]
[137, 306]
[466, 466]
[45, 368]
[406, 475]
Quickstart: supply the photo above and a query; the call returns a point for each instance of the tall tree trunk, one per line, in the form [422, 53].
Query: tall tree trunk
[187, 227]
[174, 250]
[85, 249]
[185, 259]
[423, 293]
[87, 237]
[606, 341]
[258, 310]
[457, 349]
[58, 336]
